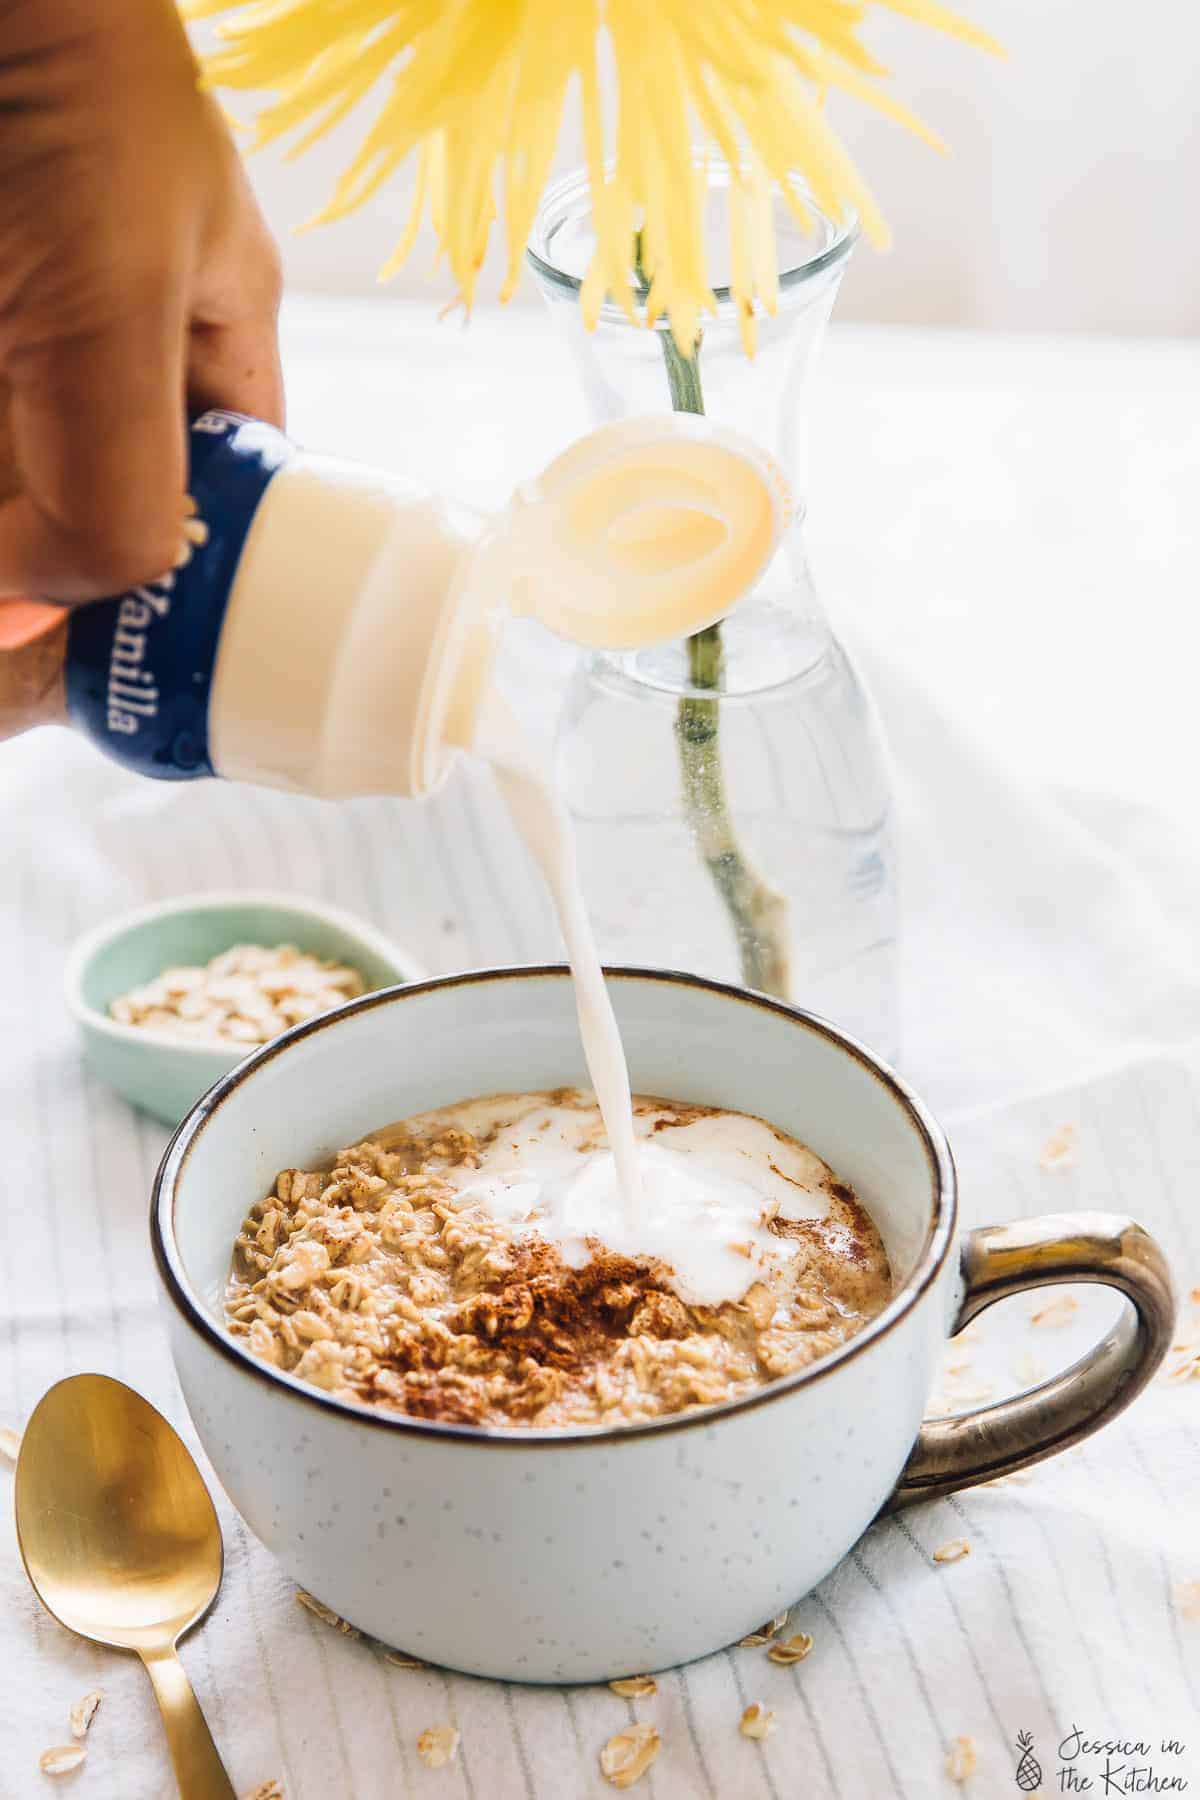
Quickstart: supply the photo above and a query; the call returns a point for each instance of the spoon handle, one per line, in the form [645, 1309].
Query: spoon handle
[198, 1769]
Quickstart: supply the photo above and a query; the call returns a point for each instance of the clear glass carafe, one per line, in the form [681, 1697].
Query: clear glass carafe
[730, 790]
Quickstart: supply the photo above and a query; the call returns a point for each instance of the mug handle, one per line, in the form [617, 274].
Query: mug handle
[1000, 1260]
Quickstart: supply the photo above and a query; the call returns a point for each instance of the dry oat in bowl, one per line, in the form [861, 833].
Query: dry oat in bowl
[407, 1276]
[247, 995]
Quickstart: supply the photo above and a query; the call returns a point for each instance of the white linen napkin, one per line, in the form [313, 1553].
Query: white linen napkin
[1073, 1607]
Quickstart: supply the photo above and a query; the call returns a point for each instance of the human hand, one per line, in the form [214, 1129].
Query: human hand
[138, 281]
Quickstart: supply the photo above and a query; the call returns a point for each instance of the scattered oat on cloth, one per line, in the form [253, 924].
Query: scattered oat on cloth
[62, 1759]
[437, 1746]
[790, 1650]
[961, 1759]
[634, 1687]
[83, 1712]
[757, 1722]
[626, 1757]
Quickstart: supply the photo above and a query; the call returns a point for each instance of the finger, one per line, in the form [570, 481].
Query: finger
[10, 474]
[236, 367]
[98, 438]
[33, 648]
[233, 347]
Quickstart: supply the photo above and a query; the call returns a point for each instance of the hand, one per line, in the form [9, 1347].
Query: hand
[137, 280]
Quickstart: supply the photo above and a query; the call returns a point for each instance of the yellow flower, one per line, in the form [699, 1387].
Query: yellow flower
[476, 89]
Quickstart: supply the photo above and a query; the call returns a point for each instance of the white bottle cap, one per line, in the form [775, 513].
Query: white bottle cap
[646, 529]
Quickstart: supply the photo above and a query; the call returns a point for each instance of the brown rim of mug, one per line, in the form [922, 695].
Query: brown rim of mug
[938, 1238]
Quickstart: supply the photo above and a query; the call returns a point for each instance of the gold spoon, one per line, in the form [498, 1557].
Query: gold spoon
[120, 1540]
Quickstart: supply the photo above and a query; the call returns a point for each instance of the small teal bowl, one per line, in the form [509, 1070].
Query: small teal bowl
[156, 1072]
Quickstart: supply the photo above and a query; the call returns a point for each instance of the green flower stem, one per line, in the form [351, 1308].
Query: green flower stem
[757, 911]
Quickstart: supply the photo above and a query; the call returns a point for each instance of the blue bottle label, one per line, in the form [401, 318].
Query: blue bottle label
[140, 666]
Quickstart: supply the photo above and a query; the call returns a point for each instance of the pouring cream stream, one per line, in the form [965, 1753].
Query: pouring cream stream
[649, 543]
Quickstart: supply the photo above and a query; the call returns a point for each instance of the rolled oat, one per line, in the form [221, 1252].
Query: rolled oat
[1187, 1599]
[1060, 1151]
[83, 1712]
[61, 1759]
[326, 1614]
[961, 1759]
[757, 1722]
[765, 1633]
[626, 1757]
[438, 1746]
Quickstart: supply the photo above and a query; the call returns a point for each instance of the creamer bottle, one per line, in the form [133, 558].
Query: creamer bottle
[334, 631]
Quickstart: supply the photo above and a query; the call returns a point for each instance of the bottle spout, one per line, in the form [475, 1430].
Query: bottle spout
[645, 530]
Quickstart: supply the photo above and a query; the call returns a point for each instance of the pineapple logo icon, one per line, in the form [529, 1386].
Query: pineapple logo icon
[1029, 1769]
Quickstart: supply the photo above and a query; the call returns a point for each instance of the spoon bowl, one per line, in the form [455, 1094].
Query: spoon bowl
[120, 1539]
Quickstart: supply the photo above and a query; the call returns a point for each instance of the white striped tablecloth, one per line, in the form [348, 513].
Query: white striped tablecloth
[1071, 1608]
[1050, 978]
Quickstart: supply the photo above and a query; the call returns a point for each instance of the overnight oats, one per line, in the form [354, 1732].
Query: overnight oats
[480, 1265]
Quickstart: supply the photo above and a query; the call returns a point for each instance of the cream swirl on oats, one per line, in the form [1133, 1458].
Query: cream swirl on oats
[473, 1264]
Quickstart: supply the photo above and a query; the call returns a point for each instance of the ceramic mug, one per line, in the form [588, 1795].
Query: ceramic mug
[583, 1554]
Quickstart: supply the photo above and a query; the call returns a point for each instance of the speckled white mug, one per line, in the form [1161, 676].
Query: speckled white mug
[586, 1554]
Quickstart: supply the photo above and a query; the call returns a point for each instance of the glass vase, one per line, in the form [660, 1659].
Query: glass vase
[730, 791]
